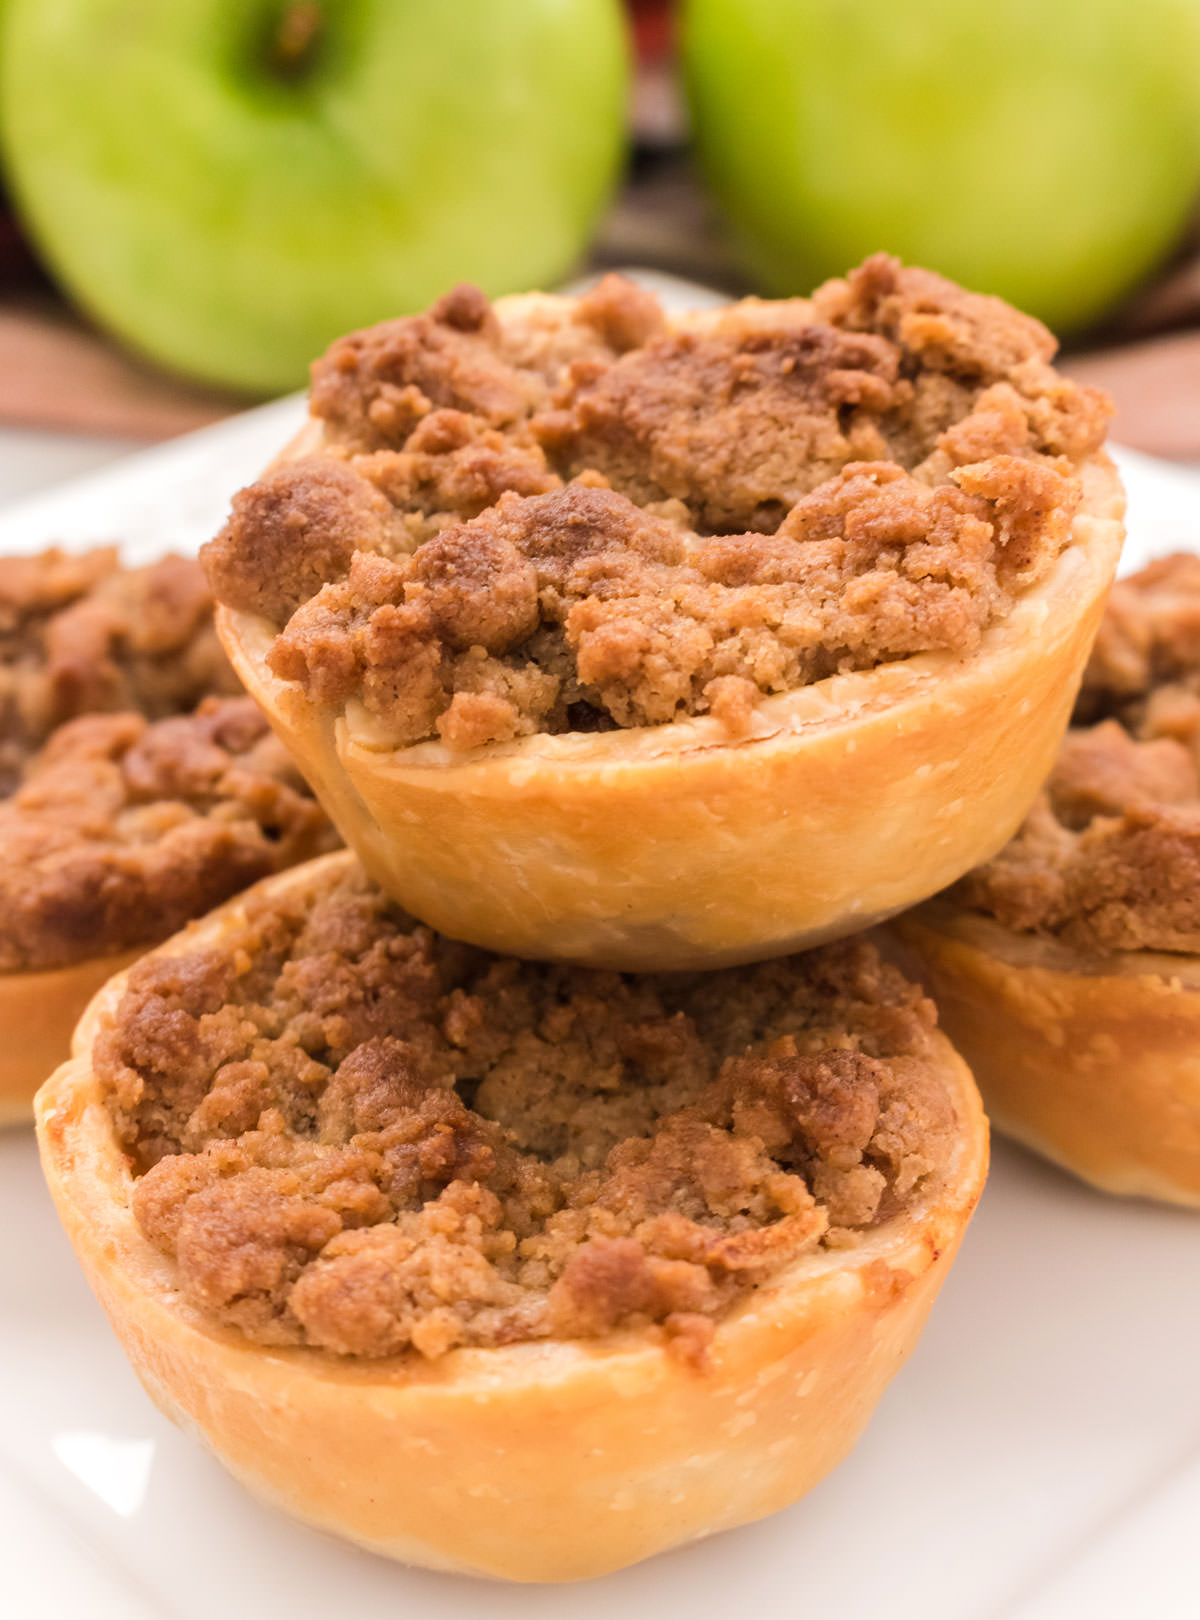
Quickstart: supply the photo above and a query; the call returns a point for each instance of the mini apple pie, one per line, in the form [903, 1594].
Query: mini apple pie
[521, 1269]
[653, 643]
[117, 827]
[1068, 968]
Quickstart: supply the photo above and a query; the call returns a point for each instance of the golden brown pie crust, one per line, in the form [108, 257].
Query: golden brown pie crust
[674, 847]
[38, 1011]
[536, 1461]
[1091, 1060]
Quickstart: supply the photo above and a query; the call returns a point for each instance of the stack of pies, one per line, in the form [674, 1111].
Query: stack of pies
[558, 1175]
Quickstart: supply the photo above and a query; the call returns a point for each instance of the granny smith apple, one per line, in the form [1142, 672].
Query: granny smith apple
[1045, 150]
[228, 184]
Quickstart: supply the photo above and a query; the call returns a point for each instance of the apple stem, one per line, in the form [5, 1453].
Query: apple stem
[296, 38]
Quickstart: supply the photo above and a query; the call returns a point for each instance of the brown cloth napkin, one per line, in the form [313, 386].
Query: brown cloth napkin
[57, 372]
[1152, 368]
[1156, 387]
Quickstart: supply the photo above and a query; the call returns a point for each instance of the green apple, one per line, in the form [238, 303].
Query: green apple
[228, 184]
[1045, 150]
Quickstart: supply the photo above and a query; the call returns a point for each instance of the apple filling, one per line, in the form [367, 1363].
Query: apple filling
[123, 829]
[82, 635]
[566, 516]
[352, 1133]
[1109, 857]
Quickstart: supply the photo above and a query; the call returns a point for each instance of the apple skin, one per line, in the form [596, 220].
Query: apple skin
[1044, 150]
[228, 221]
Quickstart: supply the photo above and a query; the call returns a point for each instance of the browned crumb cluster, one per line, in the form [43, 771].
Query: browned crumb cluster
[123, 829]
[1109, 858]
[352, 1133]
[575, 518]
[82, 635]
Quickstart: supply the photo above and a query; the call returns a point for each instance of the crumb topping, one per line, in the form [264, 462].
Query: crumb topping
[81, 634]
[123, 829]
[575, 518]
[1109, 857]
[352, 1133]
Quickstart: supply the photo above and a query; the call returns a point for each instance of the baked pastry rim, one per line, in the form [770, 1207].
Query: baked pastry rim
[1029, 949]
[1111, 995]
[38, 1009]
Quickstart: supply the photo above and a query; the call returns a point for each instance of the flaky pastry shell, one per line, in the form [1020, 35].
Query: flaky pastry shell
[38, 1011]
[674, 847]
[538, 1461]
[1092, 1061]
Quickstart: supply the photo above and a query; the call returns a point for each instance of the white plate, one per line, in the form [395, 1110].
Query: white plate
[1038, 1459]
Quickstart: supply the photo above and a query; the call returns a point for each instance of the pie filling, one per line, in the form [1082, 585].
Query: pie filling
[568, 518]
[1109, 857]
[351, 1133]
[82, 635]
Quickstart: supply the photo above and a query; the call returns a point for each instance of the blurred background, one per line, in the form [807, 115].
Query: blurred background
[200, 194]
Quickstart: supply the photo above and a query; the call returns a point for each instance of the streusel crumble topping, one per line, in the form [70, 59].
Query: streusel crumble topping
[570, 516]
[83, 635]
[123, 829]
[1109, 857]
[352, 1133]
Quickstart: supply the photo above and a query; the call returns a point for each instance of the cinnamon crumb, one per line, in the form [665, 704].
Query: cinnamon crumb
[352, 1133]
[123, 829]
[585, 513]
[80, 634]
[1109, 857]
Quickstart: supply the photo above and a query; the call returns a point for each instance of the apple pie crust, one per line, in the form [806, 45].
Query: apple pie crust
[1067, 969]
[522, 1270]
[649, 643]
